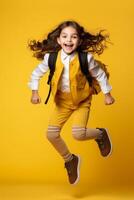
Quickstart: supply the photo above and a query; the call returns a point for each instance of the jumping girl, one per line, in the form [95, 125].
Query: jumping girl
[71, 90]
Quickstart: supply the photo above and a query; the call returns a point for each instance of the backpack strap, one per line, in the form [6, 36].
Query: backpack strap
[51, 63]
[84, 66]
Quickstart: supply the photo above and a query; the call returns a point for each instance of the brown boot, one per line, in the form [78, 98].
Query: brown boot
[104, 143]
[72, 168]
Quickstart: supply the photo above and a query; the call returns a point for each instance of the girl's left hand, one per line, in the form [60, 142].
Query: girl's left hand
[109, 99]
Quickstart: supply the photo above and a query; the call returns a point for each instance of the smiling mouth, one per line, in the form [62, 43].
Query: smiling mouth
[68, 45]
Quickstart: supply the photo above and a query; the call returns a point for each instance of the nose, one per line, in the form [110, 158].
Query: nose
[68, 39]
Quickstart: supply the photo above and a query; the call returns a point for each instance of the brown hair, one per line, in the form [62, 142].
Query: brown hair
[95, 43]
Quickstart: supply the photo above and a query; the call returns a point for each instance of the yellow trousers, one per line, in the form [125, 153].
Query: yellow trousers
[64, 108]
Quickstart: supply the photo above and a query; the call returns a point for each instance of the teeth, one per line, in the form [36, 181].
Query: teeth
[69, 45]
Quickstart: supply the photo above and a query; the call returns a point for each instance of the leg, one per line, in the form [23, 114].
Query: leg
[80, 132]
[53, 135]
[57, 119]
[79, 129]
[59, 116]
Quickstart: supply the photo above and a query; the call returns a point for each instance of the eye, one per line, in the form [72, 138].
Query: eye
[75, 37]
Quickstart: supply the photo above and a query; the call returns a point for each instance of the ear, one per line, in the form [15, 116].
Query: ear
[58, 40]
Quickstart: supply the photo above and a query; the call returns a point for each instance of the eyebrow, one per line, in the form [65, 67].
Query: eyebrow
[72, 34]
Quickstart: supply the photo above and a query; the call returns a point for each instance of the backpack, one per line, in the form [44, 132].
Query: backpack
[84, 68]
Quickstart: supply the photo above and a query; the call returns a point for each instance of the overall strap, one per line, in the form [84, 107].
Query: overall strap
[51, 63]
[84, 65]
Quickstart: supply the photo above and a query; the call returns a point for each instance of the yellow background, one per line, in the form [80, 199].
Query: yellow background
[25, 154]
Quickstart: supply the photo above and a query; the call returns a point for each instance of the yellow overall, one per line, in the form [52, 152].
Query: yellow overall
[77, 101]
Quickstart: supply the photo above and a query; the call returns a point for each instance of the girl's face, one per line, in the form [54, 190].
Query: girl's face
[68, 39]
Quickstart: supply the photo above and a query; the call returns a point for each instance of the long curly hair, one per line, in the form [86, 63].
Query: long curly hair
[95, 43]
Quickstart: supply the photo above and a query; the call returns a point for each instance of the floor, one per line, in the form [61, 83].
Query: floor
[63, 192]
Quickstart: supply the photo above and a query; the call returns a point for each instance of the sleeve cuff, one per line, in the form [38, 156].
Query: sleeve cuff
[33, 86]
[106, 90]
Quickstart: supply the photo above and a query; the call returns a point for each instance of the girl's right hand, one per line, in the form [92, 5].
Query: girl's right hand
[35, 99]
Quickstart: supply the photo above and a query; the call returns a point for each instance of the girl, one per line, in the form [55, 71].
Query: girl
[71, 91]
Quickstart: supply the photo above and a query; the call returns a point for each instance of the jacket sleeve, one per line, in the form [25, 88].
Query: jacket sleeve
[99, 74]
[38, 72]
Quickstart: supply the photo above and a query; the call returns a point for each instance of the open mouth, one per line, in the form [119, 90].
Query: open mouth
[68, 45]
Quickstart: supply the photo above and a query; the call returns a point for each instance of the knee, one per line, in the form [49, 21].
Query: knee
[79, 133]
[53, 132]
